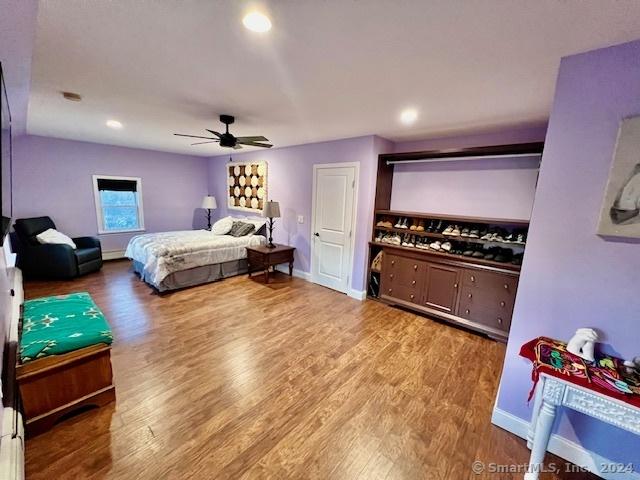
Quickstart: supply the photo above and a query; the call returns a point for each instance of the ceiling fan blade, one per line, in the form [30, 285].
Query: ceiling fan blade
[219, 135]
[202, 143]
[194, 136]
[256, 144]
[257, 138]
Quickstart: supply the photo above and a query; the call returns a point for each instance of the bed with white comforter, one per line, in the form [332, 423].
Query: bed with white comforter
[160, 257]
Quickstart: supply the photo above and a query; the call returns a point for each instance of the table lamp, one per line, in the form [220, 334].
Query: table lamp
[209, 203]
[271, 210]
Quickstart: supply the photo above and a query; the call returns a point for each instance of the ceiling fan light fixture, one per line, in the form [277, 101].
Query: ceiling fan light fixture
[257, 22]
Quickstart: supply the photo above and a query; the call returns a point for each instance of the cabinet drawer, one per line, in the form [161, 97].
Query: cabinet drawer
[483, 307]
[280, 257]
[496, 282]
[403, 271]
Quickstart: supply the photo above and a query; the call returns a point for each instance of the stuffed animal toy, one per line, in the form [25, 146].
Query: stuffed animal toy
[583, 343]
[632, 366]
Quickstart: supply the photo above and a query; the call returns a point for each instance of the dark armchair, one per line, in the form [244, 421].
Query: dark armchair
[52, 260]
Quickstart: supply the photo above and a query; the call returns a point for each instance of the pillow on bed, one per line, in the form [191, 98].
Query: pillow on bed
[222, 226]
[241, 229]
[257, 222]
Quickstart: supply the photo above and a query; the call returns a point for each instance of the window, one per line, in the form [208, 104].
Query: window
[118, 204]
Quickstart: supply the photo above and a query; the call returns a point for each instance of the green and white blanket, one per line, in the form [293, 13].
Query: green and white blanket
[61, 324]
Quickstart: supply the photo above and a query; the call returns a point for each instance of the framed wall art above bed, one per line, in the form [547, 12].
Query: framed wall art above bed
[247, 184]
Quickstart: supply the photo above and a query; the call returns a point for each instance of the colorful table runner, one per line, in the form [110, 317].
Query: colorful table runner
[605, 375]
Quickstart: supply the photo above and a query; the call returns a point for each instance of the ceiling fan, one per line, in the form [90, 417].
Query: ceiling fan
[228, 140]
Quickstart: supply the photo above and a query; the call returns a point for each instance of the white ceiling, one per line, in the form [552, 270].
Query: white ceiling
[328, 69]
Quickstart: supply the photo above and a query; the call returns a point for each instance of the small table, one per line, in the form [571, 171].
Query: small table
[551, 393]
[262, 257]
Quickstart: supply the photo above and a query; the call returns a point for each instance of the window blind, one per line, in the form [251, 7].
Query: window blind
[113, 185]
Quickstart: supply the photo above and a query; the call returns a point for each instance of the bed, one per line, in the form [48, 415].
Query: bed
[173, 260]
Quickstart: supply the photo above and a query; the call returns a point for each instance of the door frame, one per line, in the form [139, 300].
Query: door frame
[354, 214]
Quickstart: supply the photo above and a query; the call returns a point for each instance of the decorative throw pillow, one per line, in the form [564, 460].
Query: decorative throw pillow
[240, 229]
[222, 226]
[55, 237]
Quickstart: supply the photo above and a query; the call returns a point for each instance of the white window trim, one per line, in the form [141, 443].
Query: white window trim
[98, 204]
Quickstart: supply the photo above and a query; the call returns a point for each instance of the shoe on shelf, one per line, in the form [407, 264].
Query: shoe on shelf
[491, 253]
[405, 240]
[474, 233]
[479, 253]
[439, 226]
[505, 255]
[510, 238]
[431, 226]
[405, 223]
[414, 225]
[422, 243]
[379, 236]
[464, 232]
[398, 223]
[446, 246]
[468, 250]
[456, 231]
[420, 226]
[418, 242]
[380, 223]
[500, 235]
[517, 259]
[521, 239]
[488, 235]
[395, 239]
[387, 223]
[435, 245]
[448, 230]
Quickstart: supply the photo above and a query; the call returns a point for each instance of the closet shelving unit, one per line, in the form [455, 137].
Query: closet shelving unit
[472, 292]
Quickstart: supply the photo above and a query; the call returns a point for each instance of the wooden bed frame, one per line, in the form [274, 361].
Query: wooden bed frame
[54, 386]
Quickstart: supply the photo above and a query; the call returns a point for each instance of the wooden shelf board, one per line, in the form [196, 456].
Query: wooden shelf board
[449, 238]
[469, 261]
[456, 218]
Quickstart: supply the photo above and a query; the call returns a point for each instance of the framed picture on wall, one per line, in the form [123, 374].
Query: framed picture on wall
[620, 212]
[247, 186]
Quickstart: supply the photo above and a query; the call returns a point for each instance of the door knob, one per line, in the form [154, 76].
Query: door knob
[317, 234]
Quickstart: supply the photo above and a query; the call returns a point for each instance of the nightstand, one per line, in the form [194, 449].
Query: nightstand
[261, 258]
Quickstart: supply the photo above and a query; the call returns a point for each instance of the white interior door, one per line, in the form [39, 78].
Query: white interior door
[332, 229]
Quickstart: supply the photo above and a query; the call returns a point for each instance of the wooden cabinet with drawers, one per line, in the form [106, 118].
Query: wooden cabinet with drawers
[456, 291]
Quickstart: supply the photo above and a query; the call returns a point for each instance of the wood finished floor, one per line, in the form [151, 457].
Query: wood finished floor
[242, 380]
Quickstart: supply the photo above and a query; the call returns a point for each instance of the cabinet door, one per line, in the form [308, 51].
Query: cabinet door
[441, 287]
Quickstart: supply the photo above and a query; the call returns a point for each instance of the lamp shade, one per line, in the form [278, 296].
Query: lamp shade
[271, 209]
[209, 202]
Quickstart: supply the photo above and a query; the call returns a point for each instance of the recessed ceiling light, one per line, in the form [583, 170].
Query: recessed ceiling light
[408, 116]
[115, 124]
[257, 22]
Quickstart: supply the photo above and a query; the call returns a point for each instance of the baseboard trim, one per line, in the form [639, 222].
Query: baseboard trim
[113, 255]
[357, 294]
[561, 447]
[296, 273]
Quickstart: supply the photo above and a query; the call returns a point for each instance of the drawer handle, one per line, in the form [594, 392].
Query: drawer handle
[412, 296]
[502, 304]
[390, 290]
[393, 262]
[391, 275]
[473, 279]
[415, 267]
[506, 287]
[413, 282]
[467, 311]
[470, 295]
[499, 320]
[455, 285]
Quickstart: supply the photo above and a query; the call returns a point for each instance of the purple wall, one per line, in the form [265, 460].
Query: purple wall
[571, 277]
[485, 188]
[17, 35]
[290, 175]
[53, 177]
